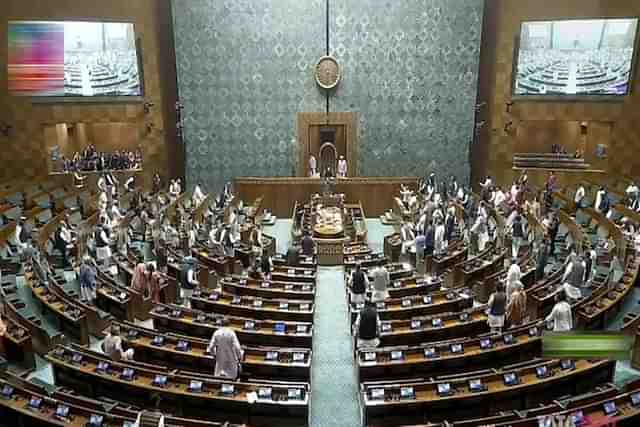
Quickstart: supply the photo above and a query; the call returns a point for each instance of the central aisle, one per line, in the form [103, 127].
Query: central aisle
[334, 385]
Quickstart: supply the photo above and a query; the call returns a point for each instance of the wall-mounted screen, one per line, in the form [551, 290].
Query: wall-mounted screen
[575, 57]
[73, 59]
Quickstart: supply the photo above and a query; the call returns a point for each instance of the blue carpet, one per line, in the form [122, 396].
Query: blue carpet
[334, 397]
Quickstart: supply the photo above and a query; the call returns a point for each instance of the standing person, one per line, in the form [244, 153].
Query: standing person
[367, 327]
[112, 346]
[225, 347]
[342, 167]
[517, 234]
[154, 280]
[88, 274]
[573, 278]
[266, 266]
[542, 258]
[308, 245]
[561, 315]
[188, 281]
[517, 306]
[102, 242]
[554, 226]
[380, 284]
[140, 279]
[513, 277]
[439, 238]
[579, 197]
[497, 307]
[313, 166]
[62, 241]
[358, 282]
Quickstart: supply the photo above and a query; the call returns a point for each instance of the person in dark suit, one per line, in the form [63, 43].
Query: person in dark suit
[308, 245]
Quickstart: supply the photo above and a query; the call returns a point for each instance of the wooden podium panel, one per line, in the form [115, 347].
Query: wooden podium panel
[280, 194]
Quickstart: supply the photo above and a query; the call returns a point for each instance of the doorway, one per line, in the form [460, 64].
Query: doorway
[327, 137]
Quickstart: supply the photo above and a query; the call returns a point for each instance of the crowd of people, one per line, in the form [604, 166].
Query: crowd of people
[91, 160]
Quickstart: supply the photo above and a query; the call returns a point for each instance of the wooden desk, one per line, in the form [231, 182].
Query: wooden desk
[268, 288]
[411, 361]
[176, 398]
[259, 362]
[195, 323]
[498, 397]
[280, 194]
[213, 301]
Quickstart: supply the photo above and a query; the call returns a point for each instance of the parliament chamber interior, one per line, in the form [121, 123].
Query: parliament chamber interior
[319, 213]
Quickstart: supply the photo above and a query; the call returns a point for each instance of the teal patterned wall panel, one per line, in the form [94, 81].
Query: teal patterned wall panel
[411, 70]
[244, 70]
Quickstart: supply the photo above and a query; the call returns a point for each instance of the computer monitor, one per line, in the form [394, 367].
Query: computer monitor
[158, 340]
[195, 386]
[436, 322]
[416, 324]
[35, 402]
[610, 408]
[430, 352]
[102, 367]
[377, 394]
[542, 371]
[127, 374]
[294, 394]
[397, 355]
[476, 385]
[160, 380]
[511, 378]
[182, 345]
[62, 411]
[508, 339]
[96, 420]
[227, 389]
[264, 392]
[567, 364]
[486, 343]
[7, 391]
[635, 399]
[407, 393]
[457, 348]
[444, 389]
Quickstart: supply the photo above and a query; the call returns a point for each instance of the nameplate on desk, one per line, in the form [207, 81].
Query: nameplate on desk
[265, 285]
[416, 324]
[257, 303]
[301, 329]
[386, 327]
[406, 302]
[158, 340]
[305, 307]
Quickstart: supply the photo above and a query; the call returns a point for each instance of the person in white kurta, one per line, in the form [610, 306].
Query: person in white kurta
[561, 314]
[198, 196]
[342, 167]
[513, 278]
[225, 347]
[440, 244]
[380, 283]
[313, 166]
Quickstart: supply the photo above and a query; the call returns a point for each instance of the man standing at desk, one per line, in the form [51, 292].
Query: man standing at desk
[308, 245]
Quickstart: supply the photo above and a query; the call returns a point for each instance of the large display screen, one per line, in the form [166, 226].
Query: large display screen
[72, 59]
[575, 57]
